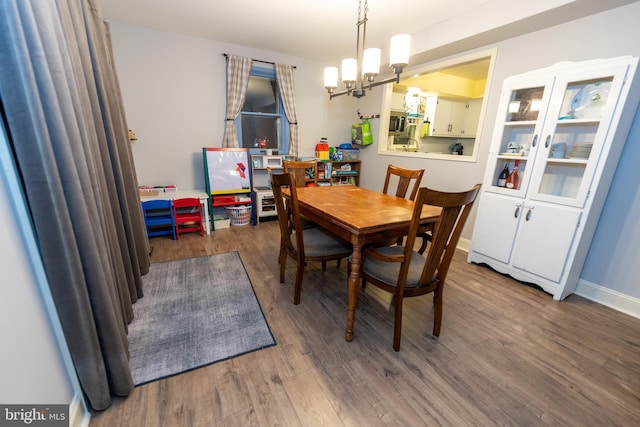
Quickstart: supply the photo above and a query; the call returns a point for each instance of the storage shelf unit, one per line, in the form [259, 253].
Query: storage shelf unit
[346, 172]
[263, 201]
[570, 122]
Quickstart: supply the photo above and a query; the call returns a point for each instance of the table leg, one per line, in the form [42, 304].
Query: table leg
[354, 289]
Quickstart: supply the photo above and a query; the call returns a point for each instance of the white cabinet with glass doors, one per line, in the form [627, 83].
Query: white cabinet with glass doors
[564, 128]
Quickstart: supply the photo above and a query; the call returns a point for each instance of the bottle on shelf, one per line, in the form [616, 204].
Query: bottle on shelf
[513, 180]
[502, 178]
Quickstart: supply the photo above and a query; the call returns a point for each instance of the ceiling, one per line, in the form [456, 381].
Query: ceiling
[325, 31]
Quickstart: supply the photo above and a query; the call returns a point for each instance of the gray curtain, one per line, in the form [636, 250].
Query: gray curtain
[238, 72]
[284, 74]
[62, 108]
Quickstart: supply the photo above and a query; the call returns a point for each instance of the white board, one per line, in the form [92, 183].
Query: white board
[227, 170]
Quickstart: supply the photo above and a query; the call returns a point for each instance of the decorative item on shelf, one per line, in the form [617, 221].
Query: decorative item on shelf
[360, 72]
[348, 152]
[590, 100]
[559, 150]
[502, 178]
[580, 151]
[513, 180]
[147, 191]
[260, 142]
[322, 149]
[456, 148]
[344, 170]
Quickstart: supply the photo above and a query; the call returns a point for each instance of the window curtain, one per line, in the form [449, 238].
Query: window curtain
[63, 111]
[284, 75]
[238, 72]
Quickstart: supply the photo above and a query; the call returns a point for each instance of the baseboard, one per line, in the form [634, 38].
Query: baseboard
[78, 415]
[608, 297]
[464, 245]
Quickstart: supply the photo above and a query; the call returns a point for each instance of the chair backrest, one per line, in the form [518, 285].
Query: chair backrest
[299, 170]
[405, 176]
[455, 211]
[187, 202]
[158, 218]
[152, 208]
[288, 211]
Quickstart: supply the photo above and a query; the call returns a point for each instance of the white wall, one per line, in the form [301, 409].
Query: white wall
[174, 91]
[173, 84]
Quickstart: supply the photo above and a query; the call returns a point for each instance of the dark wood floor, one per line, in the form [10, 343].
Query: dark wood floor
[507, 355]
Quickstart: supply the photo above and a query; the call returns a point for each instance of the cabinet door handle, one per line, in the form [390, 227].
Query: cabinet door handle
[547, 141]
[535, 140]
[528, 216]
[517, 211]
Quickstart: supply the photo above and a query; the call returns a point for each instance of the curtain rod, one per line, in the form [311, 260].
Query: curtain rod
[226, 55]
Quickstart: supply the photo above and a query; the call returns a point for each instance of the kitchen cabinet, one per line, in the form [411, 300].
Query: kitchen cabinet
[398, 102]
[447, 118]
[564, 126]
[455, 118]
[471, 118]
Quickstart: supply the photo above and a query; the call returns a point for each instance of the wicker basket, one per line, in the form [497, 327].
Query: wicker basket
[239, 215]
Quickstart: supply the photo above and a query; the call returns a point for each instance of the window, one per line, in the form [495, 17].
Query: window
[262, 122]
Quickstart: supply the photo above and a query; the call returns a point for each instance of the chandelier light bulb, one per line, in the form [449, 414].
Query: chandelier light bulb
[331, 77]
[371, 62]
[400, 46]
[349, 70]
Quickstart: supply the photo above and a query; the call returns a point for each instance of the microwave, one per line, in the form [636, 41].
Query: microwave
[398, 123]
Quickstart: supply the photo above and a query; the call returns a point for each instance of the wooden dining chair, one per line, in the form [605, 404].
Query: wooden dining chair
[305, 172]
[187, 214]
[403, 180]
[302, 245]
[404, 272]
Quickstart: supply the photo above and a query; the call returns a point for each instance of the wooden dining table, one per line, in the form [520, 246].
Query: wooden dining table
[360, 216]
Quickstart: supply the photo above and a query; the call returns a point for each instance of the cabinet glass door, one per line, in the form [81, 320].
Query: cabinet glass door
[518, 126]
[574, 135]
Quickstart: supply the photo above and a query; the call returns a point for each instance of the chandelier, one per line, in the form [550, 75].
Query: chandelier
[360, 72]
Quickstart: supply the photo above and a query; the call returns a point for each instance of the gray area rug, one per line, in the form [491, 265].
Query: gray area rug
[194, 312]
